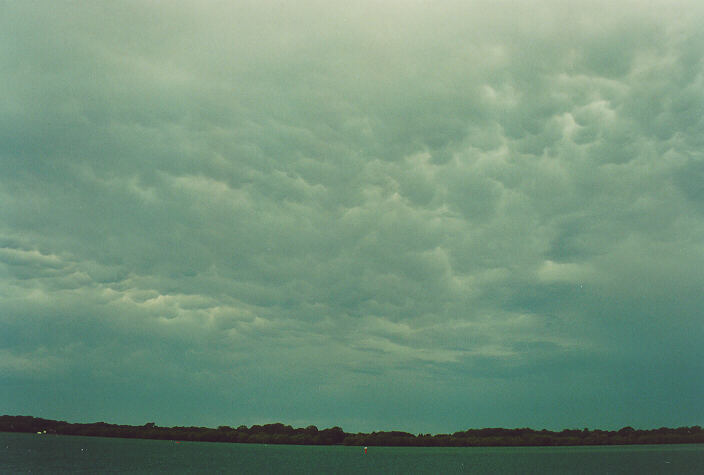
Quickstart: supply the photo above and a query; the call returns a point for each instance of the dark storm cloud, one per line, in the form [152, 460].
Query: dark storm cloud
[388, 213]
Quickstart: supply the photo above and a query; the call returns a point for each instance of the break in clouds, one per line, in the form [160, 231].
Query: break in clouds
[396, 215]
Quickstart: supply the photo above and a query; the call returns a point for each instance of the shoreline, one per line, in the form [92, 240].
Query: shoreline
[280, 434]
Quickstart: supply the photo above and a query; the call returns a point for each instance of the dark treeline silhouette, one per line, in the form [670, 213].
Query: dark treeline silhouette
[284, 434]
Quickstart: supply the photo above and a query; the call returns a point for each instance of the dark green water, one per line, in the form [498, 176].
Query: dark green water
[30, 453]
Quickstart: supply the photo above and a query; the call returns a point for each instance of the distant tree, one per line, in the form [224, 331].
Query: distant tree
[278, 433]
[334, 435]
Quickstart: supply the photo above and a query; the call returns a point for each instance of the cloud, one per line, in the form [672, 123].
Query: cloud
[370, 209]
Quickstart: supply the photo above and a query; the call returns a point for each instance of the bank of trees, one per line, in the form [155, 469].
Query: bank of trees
[528, 437]
[285, 434]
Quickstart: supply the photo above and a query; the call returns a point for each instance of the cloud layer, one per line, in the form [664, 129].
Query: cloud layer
[393, 215]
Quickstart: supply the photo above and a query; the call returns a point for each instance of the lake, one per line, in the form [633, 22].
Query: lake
[31, 453]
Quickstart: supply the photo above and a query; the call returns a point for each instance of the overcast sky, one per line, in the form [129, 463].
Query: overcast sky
[408, 215]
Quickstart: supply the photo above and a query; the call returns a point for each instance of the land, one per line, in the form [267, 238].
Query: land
[285, 434]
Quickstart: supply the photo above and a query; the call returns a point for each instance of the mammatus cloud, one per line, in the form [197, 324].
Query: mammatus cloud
[382, 216]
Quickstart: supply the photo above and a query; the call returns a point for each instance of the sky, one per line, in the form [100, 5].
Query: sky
[392, 215]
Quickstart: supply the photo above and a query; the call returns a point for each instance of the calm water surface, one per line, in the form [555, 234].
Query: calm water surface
[30, 453]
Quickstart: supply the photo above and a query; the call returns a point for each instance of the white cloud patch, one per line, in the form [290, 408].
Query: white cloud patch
[551, 271]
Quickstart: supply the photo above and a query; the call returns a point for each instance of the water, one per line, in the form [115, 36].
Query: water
[31, 453]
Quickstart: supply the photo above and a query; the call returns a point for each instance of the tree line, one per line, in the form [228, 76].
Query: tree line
[285, 434]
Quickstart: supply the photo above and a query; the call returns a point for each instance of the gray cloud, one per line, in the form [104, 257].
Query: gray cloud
[381, 216]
